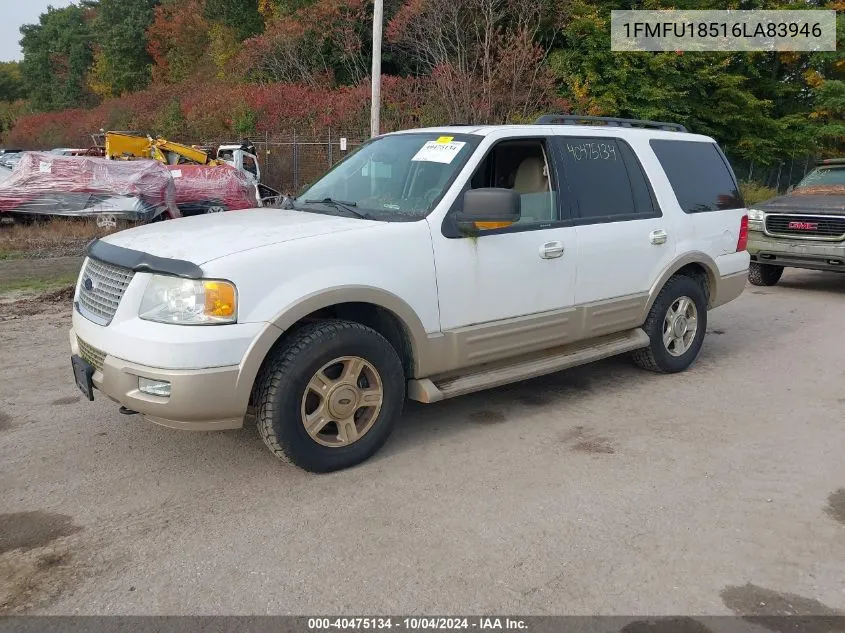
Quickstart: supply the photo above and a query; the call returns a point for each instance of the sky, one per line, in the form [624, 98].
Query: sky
[13, 15]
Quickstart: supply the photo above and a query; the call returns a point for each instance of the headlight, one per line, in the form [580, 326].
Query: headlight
[189, 301]
[755, 220]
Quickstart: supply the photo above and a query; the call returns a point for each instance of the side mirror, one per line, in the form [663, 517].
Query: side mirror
[489, 208]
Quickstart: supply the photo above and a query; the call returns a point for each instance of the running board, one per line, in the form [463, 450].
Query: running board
[546, 362]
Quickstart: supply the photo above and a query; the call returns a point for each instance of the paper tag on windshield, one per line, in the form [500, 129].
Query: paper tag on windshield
[438, 152]
[176, 173]
[45, 167]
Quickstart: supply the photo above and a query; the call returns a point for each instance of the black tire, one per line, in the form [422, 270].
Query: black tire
[764, 274]
[191, 209]
[656, 357]
[283, 381]
[215, 207]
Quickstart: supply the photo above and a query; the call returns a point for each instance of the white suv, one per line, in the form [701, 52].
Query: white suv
[428, 264]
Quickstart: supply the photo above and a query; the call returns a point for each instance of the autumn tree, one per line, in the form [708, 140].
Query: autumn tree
[178, 40]
[320, 43]
[486, 58]
[57, 53]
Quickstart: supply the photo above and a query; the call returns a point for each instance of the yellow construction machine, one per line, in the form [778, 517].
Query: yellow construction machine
[133, 145]
[122, 146]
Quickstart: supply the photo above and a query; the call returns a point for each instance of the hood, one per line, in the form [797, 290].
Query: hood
[833, 204]
[202, 238]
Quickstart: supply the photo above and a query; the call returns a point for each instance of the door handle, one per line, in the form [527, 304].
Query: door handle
[551, 250]
[658, 237]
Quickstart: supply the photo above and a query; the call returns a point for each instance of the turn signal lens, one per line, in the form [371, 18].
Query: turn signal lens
[219, 299]
[492, 225]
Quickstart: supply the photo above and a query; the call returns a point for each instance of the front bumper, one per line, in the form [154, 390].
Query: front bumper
[200, 399]
[211, 369]
[796, 253]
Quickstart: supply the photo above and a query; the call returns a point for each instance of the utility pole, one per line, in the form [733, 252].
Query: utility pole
[375, 103]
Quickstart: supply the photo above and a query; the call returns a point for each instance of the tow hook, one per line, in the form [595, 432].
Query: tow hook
[125, 411]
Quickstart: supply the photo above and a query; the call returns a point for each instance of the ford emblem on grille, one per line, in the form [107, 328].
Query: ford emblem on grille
[804, 226]
[88, 283]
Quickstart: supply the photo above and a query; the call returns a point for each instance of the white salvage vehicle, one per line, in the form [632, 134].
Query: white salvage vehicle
[428, 264]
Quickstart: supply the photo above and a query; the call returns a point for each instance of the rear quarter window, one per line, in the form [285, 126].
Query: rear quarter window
[699, 175]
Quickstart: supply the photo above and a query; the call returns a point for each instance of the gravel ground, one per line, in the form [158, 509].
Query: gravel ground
[602, 489]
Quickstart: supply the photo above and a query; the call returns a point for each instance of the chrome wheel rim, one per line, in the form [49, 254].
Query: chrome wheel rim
[215, 209]
[680, 326]
[342, 401]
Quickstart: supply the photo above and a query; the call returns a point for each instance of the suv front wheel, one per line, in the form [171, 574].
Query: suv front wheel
[328, 397]
[764, 274]
[675, 326]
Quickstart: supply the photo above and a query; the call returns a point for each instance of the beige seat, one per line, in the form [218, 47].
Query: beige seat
[532, 183]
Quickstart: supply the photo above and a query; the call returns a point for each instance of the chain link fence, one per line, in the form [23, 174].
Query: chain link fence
[290, 162]
[779, 176]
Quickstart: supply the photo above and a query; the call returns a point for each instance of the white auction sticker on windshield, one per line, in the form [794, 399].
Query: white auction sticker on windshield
[439, 151]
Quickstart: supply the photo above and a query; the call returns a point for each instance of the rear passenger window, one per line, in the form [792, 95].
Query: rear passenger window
[604, 179]
[699, 175]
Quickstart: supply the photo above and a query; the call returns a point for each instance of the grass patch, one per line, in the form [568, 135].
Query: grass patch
[4, 255]
[54, 238]
[753, 193]
[37, 286]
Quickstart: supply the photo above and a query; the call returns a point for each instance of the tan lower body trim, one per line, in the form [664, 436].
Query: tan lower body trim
[729, 288]
[473, 345]
[527, 366]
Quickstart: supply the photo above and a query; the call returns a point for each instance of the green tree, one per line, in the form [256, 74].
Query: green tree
[11, 84]
[170, 121]
[829, 114]
[122, 63]
[241, 15]
[757, 105]
[57, 53]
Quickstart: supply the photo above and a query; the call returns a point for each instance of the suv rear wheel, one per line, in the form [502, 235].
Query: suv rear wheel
[328, 397]
[675, 326]
[764, 274]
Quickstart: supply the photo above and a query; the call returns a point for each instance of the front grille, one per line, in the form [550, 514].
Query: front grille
[807, 226]
[101, 290]
[91, 354]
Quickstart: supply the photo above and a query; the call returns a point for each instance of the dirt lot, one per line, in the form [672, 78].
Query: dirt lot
[597, 490]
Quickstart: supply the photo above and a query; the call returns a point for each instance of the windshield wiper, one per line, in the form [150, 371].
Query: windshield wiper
[342, 204]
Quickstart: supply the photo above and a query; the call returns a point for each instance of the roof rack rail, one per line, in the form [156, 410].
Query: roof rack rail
[575, 119]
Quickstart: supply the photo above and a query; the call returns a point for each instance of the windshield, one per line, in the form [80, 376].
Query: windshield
[823, 178]
[397, 177]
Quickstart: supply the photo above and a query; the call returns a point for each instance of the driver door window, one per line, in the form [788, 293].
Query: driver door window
[250, 166]
[522, 165]
[525, 270]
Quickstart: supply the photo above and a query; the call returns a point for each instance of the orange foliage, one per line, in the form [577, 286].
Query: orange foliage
[209, 110]
[178, 39]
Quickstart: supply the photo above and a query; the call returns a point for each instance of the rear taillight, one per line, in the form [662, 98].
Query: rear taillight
[742, 241]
